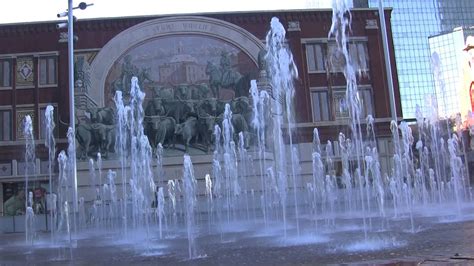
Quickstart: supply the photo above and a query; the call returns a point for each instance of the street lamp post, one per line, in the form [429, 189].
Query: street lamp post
[388, 67]
[70, 42]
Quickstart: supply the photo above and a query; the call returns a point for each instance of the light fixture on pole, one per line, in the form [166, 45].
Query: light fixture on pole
[70, 41]
[388, 65]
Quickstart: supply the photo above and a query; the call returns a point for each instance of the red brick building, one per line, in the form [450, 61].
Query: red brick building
[172, 51]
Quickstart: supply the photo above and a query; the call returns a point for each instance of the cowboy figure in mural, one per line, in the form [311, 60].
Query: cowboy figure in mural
[128, 71]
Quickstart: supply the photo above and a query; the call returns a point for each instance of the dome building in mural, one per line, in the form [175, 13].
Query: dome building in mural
[182, 69]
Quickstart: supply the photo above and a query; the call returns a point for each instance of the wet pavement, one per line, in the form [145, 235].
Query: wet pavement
[433, 243]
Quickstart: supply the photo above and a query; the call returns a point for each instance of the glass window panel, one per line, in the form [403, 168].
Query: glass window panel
[51, 71]
[319, 57]
[6, 126]
[316, 55]
[367, 104]
[43, 71]
[2, 131]
[320, 106]
[324, 106]
[363, 56]
[353, 55]
[2, 74]
[316, 109]
[42, 123]
[336, 58]
[5, 73]
[310, 57]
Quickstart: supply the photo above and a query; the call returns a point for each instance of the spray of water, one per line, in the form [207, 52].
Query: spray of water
[50, 143]
[189, 182]
[340, 28]
[71, 151]
[30, 169]
[122, 137]
[282, 71]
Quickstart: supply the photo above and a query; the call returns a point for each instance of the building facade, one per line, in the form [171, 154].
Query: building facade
[175, 59]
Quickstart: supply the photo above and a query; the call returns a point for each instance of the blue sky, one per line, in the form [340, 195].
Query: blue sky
[45, 10]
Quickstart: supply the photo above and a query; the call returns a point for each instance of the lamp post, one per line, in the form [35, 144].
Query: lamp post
[70, 42]
[388, 67]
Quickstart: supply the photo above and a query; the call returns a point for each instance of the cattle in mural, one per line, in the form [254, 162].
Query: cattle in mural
[162, 131]
[169, 122]
[104, 115]
[94, 138]
[98, 135]
[188, 130]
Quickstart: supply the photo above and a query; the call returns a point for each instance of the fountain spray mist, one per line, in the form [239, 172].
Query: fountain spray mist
[123, 113]
[282, 71]
[30, 168]
[190, 201]
[340, 27]
[50, 143]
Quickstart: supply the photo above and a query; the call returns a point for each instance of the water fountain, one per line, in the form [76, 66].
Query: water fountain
[50, 143]
[30, 169]
[273, 203]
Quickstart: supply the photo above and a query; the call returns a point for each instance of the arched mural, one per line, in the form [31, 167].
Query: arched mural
[188, 67]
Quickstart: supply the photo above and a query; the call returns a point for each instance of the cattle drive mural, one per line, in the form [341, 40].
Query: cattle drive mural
[187, 80]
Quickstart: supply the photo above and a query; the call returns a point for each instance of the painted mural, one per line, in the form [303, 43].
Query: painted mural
[176, 62]
[187, 80]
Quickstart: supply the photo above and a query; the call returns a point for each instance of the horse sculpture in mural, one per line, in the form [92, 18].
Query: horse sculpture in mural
[123, 83]
[226, 79]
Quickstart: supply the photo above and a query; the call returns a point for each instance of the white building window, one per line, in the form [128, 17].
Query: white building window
[5, 73]
[48, 71]
[316, 57]
[359, 56]
[367, 104]
[321, 55]
[320, 105]
[5, 125]
[341, 107]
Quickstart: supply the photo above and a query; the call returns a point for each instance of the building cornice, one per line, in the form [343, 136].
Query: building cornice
[19, 29]
[237, 17]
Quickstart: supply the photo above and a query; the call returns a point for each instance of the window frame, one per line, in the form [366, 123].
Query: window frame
[10, 110]
[324, 53]
[324, 43]
[360, 88]
[47, 84]
[315, 90]
[372, 102]
[10, 60]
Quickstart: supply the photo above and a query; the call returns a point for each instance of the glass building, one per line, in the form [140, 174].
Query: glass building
[413, 22]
